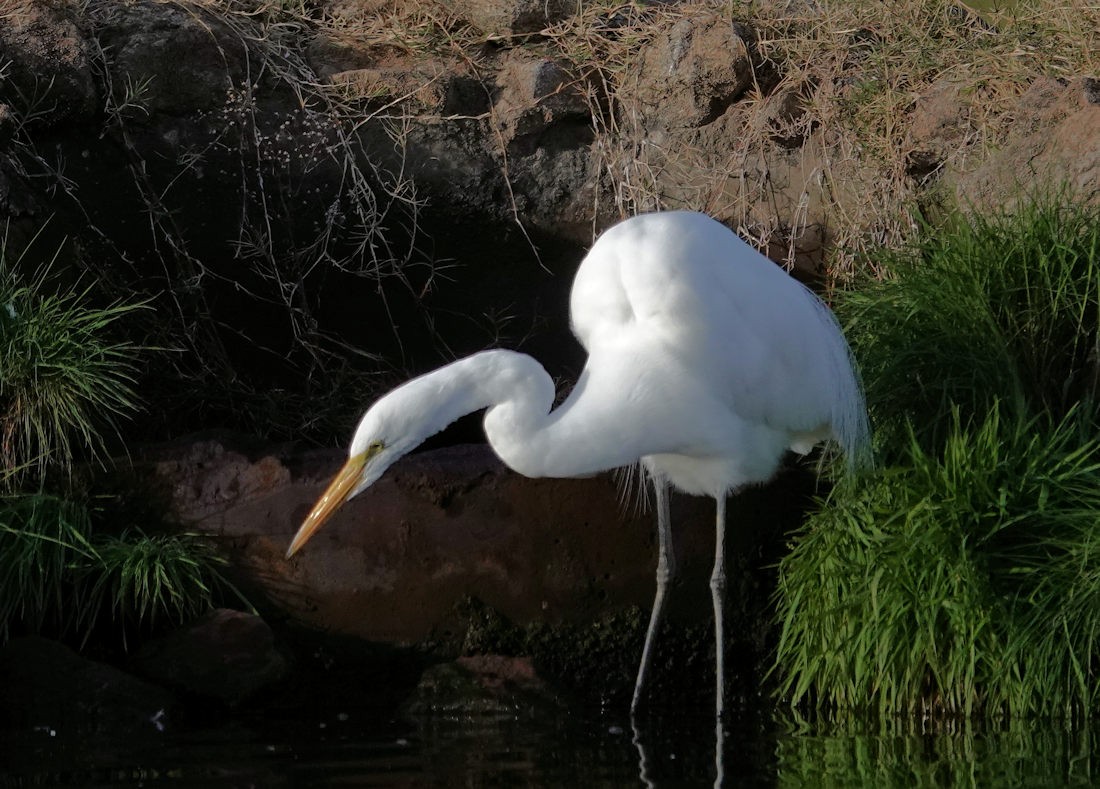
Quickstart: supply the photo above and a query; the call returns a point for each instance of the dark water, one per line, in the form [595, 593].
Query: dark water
[560, 748]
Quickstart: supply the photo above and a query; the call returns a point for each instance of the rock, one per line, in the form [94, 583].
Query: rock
[46, 73]
[225, 655]
[328, 54]
[386, 75]
[1090, 90]
[691, 74]
[536, 94]
[485, 685]
[205, 477]
[46, 686]
[507, 140]
[425, 86]
[8, 123]
[168, 58]
[1055, 141]
[446, 525]
[786, 115]
[939, 127]
[511, 17]
[694, 144]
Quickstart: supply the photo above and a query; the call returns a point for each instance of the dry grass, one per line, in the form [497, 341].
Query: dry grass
[863, 75]
[838, 77]
[817, 162]
[849, 78]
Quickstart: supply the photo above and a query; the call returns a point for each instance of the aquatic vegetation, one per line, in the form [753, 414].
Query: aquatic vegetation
[58, 576]
[961, 576]
[141, 580]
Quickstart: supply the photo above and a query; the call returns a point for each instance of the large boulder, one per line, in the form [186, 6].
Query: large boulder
[397, 562]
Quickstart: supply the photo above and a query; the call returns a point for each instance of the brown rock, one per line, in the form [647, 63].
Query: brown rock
[206, 477]
[44, 54]
[428, 86]
[511, 17]
[692, 73]
[226, 655]
[535, 93]
[438, 528]
[939, 126]
[1055, 142]
[443, 526]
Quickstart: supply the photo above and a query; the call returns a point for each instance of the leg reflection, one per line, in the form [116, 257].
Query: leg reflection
[647, 771]
[644, 772]
[719, 752]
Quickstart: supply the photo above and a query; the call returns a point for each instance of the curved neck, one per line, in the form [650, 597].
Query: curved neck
[519, 424]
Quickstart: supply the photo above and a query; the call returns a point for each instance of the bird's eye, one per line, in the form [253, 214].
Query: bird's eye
[375, 447]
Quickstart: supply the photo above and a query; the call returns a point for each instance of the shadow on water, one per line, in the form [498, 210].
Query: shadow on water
[558, 748]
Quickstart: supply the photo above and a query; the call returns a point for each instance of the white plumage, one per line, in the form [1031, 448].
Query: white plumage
[706, 363]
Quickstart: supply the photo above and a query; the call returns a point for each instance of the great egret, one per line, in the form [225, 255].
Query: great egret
[706, 363]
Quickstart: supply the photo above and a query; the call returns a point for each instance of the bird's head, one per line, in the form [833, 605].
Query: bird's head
[399, 421]
[376, 445]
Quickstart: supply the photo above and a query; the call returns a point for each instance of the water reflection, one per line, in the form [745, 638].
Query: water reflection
[1025, 754]
[567, 747]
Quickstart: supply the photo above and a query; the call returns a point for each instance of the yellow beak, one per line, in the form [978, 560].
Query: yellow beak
[335, 495]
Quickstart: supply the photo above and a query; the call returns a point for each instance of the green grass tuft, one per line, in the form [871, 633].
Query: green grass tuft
[58, 577]
[955, 583]
[144, 580]
[962, 575]
[63, 378]
[1001, 309]
[43, 540]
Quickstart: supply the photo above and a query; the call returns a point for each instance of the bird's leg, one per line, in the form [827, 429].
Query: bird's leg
[666, 570]
[718, 593]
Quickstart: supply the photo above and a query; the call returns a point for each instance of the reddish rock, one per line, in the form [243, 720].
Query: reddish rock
[692, 73]
[446, 525]
[535, 94]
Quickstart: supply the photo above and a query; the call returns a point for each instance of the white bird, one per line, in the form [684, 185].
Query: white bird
[706, 363]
